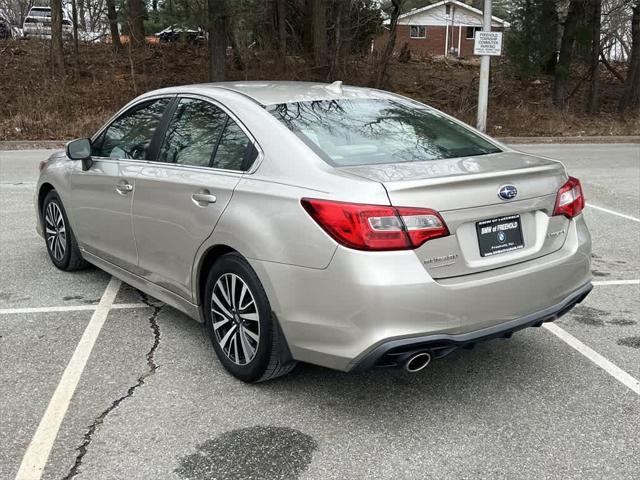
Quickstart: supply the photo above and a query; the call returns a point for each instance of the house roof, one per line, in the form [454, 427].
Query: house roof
[462, 5]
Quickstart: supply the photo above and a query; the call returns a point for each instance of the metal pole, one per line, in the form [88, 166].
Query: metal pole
[485, 63]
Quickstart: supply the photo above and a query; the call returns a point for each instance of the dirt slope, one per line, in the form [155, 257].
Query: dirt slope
[32, 106]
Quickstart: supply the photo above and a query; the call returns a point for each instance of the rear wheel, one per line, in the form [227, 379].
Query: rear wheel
[245, 337]
[61, 242]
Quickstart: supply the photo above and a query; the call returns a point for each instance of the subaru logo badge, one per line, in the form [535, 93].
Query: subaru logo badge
[507, 192]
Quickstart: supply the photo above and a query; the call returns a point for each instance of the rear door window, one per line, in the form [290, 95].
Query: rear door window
[203, 135]
[234, 149]
[193, 133]
[130, 135]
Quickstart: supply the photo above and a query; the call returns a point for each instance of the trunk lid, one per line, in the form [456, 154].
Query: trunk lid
[465, 192]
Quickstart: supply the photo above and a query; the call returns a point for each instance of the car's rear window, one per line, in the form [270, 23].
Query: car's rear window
[374, 131]
[39, 12]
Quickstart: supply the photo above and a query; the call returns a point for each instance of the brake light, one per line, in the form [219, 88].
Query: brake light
[376, 227]
[570, 199]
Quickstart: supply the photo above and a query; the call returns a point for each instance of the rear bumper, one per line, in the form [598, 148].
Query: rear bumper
[336, 316]
[394, 353]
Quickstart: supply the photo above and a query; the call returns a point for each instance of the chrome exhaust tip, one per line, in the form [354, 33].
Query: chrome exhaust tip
[417, 362]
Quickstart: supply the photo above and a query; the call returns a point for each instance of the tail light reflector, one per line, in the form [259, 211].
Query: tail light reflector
[376, 227]
[570, 199]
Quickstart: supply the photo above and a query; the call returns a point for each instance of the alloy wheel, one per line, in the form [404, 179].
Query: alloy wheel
[55, 231]
[236, 321]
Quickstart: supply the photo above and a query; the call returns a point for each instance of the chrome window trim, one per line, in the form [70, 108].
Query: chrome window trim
[252, 169]
[259, 157]
[171, 165]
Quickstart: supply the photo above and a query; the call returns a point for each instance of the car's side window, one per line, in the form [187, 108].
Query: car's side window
[193, 133]
[233, 149]
[130, 135]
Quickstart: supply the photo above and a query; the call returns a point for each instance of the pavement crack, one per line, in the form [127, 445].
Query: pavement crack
[152, 366]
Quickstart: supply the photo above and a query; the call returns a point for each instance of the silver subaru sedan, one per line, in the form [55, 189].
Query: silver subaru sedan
[346, 227]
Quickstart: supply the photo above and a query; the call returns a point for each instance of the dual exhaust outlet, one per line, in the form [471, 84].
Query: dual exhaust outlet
[417, 362]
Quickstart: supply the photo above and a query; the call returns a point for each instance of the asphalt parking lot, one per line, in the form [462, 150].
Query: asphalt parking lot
[153, 401]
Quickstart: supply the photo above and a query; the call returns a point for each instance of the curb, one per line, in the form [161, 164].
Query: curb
[560, 140]
[58, 144]
[31, 144]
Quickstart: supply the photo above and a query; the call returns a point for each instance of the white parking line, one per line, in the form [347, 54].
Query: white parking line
[37, 454]
[623, 215]
[68, 308]
[609, 367]
[615, 282]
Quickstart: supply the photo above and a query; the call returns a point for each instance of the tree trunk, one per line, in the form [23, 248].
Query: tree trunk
[307, 30]
[319, 11]
[551, 12]
[112, 15]
[81, 12]
[136, 14]
[217, 12]
[631, 97]
[282, 27]
[335, 60]
[383, 62]
[269, 29]
[594, 71]
[74, 17]
[563, 66]
[238, 61]
[57, 53]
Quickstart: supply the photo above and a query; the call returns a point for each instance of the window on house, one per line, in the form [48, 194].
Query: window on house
[471, 32]
[418, 31]
[448, 9]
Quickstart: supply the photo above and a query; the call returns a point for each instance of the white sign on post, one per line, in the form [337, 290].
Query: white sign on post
[488, 43]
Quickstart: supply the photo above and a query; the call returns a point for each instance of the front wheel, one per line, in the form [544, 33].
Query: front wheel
[61, 243]
[239, 322]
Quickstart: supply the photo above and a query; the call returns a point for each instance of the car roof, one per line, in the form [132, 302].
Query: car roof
[275, 92]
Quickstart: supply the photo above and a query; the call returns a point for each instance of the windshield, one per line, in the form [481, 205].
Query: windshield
[373, 131]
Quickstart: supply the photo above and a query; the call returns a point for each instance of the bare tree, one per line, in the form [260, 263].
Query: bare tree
[92, 14]
[16, 10]
[594, 71]
[383, 62]
[217, 26]
[57, 52]
[631, 97]
[112, 16]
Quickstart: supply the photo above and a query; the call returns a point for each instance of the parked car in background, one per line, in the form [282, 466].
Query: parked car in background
[176, 33]
[346, 227]
[5, 29]
[37, 24]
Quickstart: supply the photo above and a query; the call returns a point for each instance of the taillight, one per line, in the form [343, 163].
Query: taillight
[570, 199]
[376, 227]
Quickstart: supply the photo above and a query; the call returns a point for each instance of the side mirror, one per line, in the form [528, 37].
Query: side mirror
[80, 149]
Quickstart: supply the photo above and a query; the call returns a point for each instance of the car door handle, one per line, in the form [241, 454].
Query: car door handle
[124, 188]
[203, 199]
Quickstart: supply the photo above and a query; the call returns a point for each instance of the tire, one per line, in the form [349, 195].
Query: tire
[59, 238]
[244, 334]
